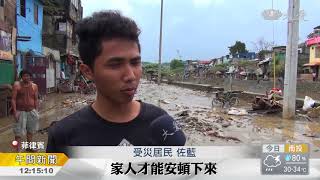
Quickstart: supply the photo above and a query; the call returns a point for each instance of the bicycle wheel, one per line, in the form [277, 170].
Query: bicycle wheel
[234, 101]
[216, 102]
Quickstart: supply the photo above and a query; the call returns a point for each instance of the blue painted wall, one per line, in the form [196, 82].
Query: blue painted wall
[26, 26]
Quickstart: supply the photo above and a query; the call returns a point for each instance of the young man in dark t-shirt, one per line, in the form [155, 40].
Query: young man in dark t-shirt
[110, 50]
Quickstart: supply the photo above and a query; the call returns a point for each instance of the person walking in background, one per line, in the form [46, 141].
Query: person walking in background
[24, 105]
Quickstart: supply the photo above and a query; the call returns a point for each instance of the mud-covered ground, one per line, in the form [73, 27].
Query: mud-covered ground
[202, 124]
[205, 125]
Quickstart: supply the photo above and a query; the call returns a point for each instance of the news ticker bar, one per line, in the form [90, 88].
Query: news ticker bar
[280, 159]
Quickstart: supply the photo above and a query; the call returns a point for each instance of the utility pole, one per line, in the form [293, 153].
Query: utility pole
[179, 55]
[290, 81]
[160, 45]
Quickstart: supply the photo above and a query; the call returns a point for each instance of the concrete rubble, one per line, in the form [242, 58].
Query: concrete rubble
[68, 103]
[212, 126]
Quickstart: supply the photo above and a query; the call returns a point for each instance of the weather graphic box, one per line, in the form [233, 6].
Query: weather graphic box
[285, 159]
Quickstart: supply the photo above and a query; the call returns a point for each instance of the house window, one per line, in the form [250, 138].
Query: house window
[1, 3]
[36, 13]
[317, 52]
[56, 26]
[23, 8]
[61, 26]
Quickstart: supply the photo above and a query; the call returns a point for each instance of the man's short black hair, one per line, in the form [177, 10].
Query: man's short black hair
[103, 25]
[23, 72]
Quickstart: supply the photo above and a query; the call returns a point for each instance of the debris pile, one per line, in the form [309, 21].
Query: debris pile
[237, 111]
[68, 103]
[264, 105]
[310, 109]
[314, 112]
[212, 126]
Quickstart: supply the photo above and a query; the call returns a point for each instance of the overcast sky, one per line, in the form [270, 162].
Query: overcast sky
[203, 29]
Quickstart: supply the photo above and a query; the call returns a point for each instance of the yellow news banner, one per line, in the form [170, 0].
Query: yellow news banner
[32, 159]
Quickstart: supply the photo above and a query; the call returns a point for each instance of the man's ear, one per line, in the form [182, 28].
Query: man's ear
[86, 71]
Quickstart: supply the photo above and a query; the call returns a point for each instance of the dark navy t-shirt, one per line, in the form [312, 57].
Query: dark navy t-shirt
[152, 127]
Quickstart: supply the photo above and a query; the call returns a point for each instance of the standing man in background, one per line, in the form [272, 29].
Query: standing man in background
[24, 105]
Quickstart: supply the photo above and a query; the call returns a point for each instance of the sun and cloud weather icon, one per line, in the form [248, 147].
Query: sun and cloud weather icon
[272, 161]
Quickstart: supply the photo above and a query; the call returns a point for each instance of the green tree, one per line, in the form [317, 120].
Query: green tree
[150, 66]
[176, 64]
[238, 47]
[262, 47]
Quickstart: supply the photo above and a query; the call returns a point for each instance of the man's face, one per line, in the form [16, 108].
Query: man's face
[117, 70]
[25, 78]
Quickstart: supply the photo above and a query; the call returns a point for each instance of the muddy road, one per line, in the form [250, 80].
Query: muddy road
[202, 124]
[205, 125]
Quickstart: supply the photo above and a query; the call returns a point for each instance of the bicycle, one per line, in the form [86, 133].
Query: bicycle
[226, 98]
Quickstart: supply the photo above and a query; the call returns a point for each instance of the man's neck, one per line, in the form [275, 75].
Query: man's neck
[113, 112]
[25, 83]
